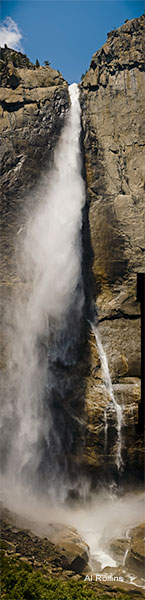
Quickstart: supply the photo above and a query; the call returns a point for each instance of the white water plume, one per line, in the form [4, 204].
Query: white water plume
[109, 388]
[46, 308]
[105, 429]
[107, 516]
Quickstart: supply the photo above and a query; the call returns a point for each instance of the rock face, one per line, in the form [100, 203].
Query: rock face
[130, 551]
[33, 105]
[136, 556]
[113, 120]
[34, 102]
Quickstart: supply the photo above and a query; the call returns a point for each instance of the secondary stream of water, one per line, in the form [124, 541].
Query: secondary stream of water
[114, 404]
[43, 327]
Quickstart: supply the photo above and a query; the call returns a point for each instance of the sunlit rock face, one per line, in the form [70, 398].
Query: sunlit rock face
[34, 103]
[113, 119]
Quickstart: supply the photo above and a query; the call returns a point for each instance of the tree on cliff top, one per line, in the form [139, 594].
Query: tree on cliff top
[46, 63]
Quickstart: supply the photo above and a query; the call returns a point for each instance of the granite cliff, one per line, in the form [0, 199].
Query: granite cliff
[34, 102]
[113, 122]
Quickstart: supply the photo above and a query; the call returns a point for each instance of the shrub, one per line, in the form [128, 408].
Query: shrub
[27, 62]
[46, 63]
[21, 582]
[15, 59]
[83, 75]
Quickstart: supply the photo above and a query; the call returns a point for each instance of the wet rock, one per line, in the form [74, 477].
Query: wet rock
[72, 557]
[135, 560]
[118, 579]
[118, 548]
[75, 558]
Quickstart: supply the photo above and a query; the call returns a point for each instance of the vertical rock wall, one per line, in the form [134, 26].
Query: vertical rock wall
[113, 118]
[34, 103]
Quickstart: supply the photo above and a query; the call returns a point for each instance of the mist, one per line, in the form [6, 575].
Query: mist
[108, 514]
[44, 313]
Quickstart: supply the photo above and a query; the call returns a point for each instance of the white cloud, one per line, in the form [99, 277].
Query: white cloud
[10, 34]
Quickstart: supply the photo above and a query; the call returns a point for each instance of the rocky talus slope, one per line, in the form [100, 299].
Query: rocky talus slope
[58, 551]
[64, 554]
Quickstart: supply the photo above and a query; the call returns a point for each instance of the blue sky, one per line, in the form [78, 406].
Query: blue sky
[66, 32]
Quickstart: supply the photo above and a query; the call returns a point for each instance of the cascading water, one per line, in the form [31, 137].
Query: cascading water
[45, 315]
[45, 320]
[109, 388]
[43, 330]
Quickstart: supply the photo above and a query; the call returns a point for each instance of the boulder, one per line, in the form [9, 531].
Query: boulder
[135, 560]
[75, 557]
[119, 547]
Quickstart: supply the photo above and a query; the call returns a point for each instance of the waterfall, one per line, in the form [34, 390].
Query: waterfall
[125, 556]
[109, 388]
[105, 429]
[45, 315]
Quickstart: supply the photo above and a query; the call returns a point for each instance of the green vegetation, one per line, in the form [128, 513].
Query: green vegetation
[16, 59]
[83, 75]
[21, 582]
[27, 62]
[37, 63]
[46, 63]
